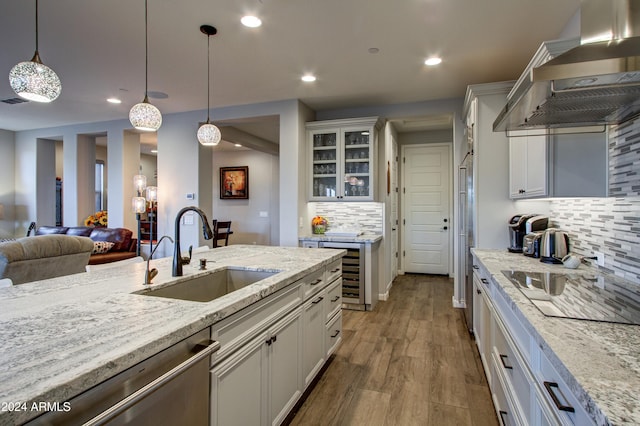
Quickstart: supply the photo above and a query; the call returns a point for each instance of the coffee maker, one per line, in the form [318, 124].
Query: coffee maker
[523, 224]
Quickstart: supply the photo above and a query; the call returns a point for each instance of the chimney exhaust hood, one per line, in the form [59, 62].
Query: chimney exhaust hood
[594, 83]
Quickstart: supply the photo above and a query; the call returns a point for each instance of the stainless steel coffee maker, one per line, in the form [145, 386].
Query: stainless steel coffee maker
[523, 224]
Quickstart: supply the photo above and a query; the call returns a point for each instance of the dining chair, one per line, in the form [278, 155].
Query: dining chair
[221, 232]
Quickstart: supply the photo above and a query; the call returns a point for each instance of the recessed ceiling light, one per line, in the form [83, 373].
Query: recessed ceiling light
[114, 101]
[308, 78]
[237, 144]
[432, 61]
[155, 151]
[251, 21]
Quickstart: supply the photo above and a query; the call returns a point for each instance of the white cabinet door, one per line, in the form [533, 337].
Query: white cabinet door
[528, 169]
[238, 385]
[314, 336]
[285, 356]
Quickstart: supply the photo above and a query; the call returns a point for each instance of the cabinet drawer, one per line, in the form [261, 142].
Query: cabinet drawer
[513, 369]
[334, 333]
[238, 329]
[334, 270]
[558, 395]
[519, 334]
[507, 416]
[333, 301]
[312, 283]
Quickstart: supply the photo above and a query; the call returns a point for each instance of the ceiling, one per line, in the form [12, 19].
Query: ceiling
[97, 49]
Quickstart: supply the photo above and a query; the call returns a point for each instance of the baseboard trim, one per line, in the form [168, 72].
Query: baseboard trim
[458, 303]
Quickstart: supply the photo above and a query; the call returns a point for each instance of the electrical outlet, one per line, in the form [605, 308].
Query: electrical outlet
[600, 258]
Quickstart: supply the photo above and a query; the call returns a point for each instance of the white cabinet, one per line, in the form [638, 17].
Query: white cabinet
[342, 159]
[314, 329]
[272, 350]
[525, 387]
[528, 166]
[565, 165]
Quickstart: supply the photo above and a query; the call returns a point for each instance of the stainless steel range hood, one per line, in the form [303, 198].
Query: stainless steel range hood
[595, 83]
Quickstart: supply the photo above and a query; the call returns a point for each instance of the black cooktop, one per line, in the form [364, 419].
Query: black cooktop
[580, 296]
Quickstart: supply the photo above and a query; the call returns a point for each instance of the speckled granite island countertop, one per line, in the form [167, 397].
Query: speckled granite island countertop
[64, 335]
[599, 361]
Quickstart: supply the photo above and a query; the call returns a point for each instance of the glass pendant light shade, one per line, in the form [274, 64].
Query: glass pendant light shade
[139, 184]
[145, 117]
[209, 134]
[34, 81]
[152, 193]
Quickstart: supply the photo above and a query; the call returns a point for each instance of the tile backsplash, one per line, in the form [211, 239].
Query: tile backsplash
[607, 225]
[366, 216]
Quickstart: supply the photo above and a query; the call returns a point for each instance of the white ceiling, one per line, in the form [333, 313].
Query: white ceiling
[97, 49]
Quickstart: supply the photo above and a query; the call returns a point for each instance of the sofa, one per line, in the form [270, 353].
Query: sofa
[47, 256]
[123, 247]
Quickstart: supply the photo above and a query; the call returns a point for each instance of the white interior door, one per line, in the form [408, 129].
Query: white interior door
[394, 208]
[426, 171]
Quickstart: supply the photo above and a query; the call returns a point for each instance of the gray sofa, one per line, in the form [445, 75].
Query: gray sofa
[44, 256]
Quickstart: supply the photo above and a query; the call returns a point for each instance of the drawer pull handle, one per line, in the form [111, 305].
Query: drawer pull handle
[484, 281]
[318, 281]
[335, 299]
[333, 336]
[502, 415]
[504, 364]
[550, 388]
[335, 270]
[478, 291]
[475, 267]
[315, 302]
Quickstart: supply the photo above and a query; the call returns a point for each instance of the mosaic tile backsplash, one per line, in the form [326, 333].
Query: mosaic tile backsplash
[366, 216]
[607, 225]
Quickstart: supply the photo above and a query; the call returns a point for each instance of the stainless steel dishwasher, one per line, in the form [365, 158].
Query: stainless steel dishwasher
[353, 280]
[169, 388]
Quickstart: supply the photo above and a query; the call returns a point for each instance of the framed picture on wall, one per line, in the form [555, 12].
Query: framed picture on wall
[234, 183]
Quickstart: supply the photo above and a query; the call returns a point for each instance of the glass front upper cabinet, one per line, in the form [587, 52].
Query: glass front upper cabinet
[342, 162]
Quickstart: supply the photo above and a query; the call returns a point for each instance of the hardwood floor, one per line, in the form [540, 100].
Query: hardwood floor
[409, 362]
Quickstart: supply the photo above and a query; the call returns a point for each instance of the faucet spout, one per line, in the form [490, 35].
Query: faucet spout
[178, 260]
[149, 274]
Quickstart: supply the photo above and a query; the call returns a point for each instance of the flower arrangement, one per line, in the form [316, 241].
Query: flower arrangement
[98, 219]
[319, 225]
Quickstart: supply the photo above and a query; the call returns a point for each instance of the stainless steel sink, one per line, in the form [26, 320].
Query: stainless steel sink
[209, 287]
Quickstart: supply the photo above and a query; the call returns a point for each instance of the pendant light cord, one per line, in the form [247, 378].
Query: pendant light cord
[208, 77]
[36, 26]
[146, 54]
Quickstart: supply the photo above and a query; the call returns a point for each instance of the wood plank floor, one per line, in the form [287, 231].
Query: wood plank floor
[409, 362]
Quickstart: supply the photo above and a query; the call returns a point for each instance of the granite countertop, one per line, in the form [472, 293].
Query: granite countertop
[599, 361]
[64, 335]
[366, 238]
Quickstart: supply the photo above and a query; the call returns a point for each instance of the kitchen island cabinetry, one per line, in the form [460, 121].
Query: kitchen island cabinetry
[342, 159]
[266, 361]
[258, 328]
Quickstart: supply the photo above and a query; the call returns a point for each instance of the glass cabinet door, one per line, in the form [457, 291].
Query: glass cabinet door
[325, 164]
[357, 164]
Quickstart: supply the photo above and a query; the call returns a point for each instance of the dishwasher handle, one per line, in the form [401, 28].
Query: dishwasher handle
[102, 418]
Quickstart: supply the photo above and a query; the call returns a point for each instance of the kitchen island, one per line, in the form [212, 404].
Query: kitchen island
[599, 362]
[63, 336]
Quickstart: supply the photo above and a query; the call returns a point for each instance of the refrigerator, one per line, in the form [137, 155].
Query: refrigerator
[466, 227]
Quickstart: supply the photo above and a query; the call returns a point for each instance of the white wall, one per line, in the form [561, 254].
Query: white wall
[7, 182]
[149, 168]
[248, 226]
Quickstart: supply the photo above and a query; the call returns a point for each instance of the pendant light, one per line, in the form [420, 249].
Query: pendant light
[208, 133]
[33, 80]
[144, 116]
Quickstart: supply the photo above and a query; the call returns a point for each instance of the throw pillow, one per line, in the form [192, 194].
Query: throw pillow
[100, 247]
